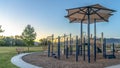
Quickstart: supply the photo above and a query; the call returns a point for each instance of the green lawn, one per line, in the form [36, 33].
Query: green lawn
[6, 53]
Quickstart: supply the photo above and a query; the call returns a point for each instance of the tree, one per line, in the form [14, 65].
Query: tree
[1, 39]
[44, 43]
[9, 41]
[19, 41]
[28, 35]
[1, 29]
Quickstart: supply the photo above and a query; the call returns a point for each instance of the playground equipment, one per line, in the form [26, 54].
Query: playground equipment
[109, 55]
[50, 41]
[63, 43]
[67, 43]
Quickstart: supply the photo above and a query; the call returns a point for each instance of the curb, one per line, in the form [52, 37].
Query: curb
[17, 60]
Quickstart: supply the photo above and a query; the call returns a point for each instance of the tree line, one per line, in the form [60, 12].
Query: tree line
[26, 38]
[11, 41]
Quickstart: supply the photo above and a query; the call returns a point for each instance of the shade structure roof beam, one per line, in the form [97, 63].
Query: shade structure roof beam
[97, 6]
[98, 19]
[83, 18]
[72, 14]
[83, 10]
[99, 15]
[104, 9]
[79, 11]
[73, 20]
[100, 11]
[102, 17]
[92, 12]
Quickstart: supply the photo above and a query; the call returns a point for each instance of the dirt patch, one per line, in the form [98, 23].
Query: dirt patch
[42, 60]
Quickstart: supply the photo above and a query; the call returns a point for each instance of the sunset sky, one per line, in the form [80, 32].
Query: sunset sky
[47, 17]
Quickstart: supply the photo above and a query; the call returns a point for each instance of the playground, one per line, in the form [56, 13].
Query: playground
[60, 55]
[82, 50]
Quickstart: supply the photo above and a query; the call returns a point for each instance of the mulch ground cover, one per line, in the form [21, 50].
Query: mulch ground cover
[42, 60]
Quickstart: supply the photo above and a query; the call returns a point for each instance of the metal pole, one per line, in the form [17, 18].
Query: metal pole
[52, 43]
[84, 50]
[58, 47]
[67, 48]
[104, 48]
[88, 14]
[81, 39]
[102, 43]
[70, 45]
[48, 49]
[113, 48]
[95, 40]
[64, 44]
[76, 48]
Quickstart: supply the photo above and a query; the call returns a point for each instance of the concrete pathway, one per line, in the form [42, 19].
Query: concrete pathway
[17, 60]
[114, 66]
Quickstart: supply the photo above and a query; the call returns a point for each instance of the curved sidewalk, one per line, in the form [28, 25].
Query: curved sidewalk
[114, 66]
[17, 60]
